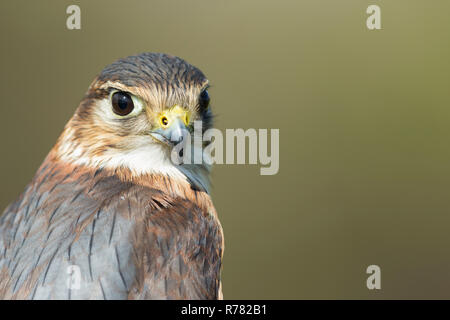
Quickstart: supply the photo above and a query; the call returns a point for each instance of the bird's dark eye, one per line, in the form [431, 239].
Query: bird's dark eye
[122, 103]
[203, 100]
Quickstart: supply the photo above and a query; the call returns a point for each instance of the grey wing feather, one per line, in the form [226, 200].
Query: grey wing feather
[67, 241]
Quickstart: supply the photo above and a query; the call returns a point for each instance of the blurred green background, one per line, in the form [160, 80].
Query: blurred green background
[363, 116]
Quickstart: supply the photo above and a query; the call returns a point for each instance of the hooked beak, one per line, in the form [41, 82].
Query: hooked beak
[172, 126]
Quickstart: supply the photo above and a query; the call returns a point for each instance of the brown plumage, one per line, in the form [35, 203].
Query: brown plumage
[108, 200]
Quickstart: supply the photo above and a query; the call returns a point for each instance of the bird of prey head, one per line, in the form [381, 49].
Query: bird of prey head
[133, 114]
[109, 202]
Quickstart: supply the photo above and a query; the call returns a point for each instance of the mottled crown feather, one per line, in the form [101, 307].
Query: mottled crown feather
[159, 78]
[163, 70]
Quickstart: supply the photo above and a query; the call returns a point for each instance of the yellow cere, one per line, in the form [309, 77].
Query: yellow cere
[166, 118]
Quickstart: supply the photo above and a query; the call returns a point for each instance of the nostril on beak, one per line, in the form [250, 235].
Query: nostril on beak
[164, 121]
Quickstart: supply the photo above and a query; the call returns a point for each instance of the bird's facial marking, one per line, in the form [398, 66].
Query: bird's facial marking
[129, 116]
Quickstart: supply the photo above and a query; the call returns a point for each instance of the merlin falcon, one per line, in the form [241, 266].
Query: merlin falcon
[108, 214]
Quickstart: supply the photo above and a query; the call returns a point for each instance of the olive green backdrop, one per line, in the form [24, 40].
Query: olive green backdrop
[363, 116]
